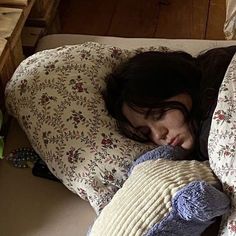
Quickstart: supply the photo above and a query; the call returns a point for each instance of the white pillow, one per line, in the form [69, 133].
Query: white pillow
[222, 143]
[56, 97]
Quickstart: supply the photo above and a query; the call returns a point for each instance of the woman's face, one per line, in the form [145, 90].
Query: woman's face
[169, 129]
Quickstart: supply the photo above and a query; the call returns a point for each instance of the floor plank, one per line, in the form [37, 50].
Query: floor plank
[216, 20]
[87, 16]
[135, 18]
[183, 19]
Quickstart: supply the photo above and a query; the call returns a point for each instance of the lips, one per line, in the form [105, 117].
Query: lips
[175, 141]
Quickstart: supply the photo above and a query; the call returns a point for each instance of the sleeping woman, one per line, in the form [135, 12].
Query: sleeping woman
[168, 98]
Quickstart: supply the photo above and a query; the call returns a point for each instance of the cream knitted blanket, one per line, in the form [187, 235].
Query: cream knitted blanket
[145, 198]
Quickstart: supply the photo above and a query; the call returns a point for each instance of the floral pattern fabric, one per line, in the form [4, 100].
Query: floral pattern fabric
[222, 144]
[56, 96]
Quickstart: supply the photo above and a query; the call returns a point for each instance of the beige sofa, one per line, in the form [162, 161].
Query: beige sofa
[32, 206]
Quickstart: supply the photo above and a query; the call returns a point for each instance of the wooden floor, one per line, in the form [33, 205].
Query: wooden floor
[196, 19]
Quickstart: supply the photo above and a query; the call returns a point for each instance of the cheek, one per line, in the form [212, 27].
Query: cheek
[175, 119]
[189, 143]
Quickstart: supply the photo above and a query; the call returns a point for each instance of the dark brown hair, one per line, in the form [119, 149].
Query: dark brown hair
[146, 81]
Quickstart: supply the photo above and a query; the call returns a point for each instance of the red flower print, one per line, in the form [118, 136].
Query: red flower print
[230, 189]
[219, 115]
[106, 142]
[74, 155]
[226, 153]
[45, 99]
[232, 226]
[79, 87]
[109, 175]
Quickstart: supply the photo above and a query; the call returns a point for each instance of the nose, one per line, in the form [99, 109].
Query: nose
[158, 134]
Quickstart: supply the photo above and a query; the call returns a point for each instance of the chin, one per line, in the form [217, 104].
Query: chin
[188, 146]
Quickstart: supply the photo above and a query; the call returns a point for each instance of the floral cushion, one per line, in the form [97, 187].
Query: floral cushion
[222, 143]
[56, 97]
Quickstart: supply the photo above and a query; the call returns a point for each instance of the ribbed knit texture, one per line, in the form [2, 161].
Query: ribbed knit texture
[194, 208]
[145, 198]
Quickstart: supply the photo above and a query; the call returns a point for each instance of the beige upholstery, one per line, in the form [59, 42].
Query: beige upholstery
[193, 46]
[31, 206]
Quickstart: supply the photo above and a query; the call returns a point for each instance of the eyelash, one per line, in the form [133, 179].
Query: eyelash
[158, 115]
[155, 116]
[145, 133]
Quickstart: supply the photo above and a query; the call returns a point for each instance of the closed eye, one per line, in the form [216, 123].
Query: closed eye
[158, 115]
[144, 130]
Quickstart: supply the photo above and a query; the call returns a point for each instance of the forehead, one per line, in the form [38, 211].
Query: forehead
[137, 118]
[182, 98]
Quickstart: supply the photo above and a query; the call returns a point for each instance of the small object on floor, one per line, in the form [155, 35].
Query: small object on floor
[26, 157]
[23, 157]
[41, 169]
